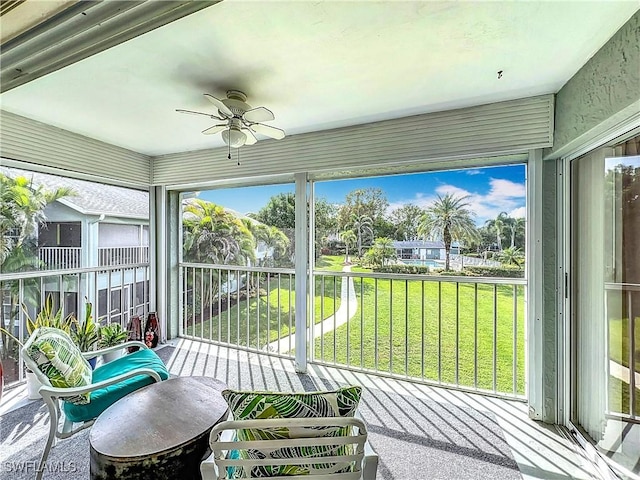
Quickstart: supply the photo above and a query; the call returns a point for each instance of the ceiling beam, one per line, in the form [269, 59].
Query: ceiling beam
[80, 31]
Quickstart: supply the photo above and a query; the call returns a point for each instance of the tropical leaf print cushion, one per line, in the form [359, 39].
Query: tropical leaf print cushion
[255, 405]
[61, 361]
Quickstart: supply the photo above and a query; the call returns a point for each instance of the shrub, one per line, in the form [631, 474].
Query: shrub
[403, 269]
[502, 271]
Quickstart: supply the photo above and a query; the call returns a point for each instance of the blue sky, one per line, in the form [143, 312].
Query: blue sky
[491, 190]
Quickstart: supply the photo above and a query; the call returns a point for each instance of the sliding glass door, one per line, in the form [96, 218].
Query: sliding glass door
[605, 296]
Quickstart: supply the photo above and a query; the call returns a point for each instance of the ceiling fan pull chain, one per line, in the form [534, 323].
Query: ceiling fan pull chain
[238, 157]
[229, 154]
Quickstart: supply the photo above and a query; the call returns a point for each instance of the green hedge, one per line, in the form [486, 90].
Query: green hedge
[411, 269]
[503, 271]
[471, 271]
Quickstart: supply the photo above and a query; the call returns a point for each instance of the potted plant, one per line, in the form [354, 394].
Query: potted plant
[85, 333]
[111, 335]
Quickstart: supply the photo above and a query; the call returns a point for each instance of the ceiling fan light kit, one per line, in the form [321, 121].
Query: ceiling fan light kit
[239, 122]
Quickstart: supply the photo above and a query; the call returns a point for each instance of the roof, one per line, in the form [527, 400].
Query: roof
[92, 198]
[420, 244]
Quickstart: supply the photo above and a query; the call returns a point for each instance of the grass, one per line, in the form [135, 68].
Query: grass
[380, 326]
[619, 341]
[257, 321]
[619, 396]
[381, 329]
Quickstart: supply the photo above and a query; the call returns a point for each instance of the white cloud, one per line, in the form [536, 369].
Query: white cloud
[474, 171]
[520, 212]
[503, 196]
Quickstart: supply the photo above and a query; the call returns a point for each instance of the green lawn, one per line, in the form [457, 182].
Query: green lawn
[619, 398]
[265, 319]
[380, 326]
[619, 341]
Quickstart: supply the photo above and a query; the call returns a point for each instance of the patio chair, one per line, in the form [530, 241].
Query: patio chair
[316, 448]
[71, 387]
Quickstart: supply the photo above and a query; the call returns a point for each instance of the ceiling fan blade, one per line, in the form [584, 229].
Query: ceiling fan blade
[215, 129]
[251, 138]
[191, 112]
[222, 108]
[268, 131]
[259, 114]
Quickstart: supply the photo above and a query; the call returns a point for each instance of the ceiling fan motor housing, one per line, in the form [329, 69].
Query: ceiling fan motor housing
[236, 101]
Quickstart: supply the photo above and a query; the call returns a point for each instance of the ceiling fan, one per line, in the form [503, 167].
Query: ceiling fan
[239, 122]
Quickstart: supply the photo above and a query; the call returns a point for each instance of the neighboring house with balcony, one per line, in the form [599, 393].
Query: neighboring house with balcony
[100, 226]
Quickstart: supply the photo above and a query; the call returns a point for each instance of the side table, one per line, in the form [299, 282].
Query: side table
[158, 432]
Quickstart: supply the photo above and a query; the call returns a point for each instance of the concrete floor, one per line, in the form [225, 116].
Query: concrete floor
[540, 450]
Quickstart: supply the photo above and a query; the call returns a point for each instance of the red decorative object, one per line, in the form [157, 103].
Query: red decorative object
[152, 330]
[135, 331]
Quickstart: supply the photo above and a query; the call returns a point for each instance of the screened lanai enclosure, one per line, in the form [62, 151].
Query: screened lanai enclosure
[300, 226]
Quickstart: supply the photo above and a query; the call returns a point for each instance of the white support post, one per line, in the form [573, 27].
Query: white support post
[534, 294]
[301, 256]
[312, 265]
[158, 256]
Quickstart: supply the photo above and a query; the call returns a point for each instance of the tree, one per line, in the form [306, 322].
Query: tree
[362, 225]
[448, 219]
[371, 202]
[326, 222]
[516, 226]
[280, 211]
[381, 252]
[214, 235]
[511, 256]
[22, 207]
[406, 220]
[349, 238]
[498, 225]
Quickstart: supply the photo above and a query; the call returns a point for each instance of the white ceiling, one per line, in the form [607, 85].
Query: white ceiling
[318, 65]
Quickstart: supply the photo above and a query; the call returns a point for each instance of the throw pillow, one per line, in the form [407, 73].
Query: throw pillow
[255, 405]
[60, 360]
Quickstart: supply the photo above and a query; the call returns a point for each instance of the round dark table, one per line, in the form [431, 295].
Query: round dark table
[158, 432]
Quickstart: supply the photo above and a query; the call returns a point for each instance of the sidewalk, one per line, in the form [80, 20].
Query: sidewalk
[346, 311]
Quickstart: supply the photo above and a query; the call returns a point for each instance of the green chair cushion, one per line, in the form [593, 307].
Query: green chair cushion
[60, 360]
[254, 405]
[103, 398]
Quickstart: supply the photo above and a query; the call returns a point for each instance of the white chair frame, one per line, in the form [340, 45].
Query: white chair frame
[52, 396]
[222, 435]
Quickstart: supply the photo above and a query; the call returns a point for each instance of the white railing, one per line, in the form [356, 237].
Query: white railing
[57, 258]
[249, 308]
[462, 332]
[122, 255]
[116, 294]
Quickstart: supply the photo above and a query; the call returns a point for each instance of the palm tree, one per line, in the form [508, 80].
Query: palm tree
[448, 219]
[362, 225]
[511, 256]
[349, 238]
[214, 235]
[516, 225]
[498, 224]
[22, 207]
[382, 251]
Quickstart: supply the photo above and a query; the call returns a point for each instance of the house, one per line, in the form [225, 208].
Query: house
[98, 226]
[365, 89]
[423, 250]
